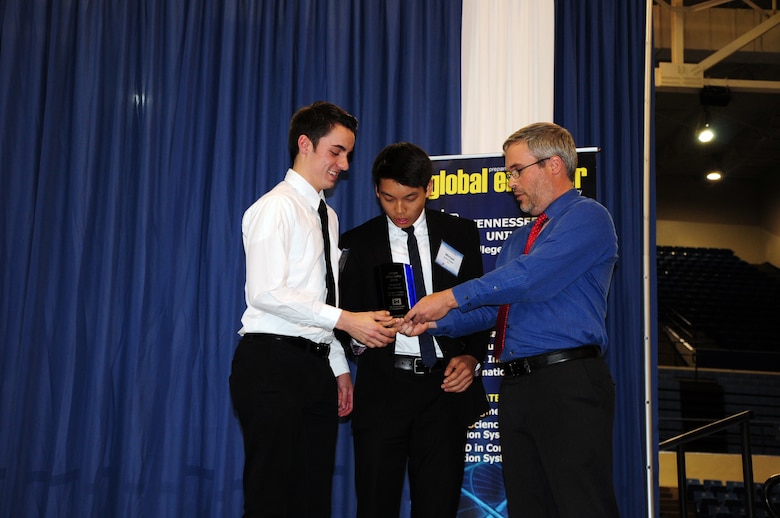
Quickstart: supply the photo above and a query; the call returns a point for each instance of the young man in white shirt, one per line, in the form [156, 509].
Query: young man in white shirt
[290, 381]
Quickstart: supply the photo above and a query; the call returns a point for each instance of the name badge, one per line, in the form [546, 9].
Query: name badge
[449, 258]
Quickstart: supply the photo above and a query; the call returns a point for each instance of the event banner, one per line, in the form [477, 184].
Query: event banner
[476, 187]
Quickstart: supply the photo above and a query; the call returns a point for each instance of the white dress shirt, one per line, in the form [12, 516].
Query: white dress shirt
[285, 271]
[410, 346]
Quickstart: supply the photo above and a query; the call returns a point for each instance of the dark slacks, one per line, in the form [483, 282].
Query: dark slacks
[556, 441]
[405, 418]
[286, 402]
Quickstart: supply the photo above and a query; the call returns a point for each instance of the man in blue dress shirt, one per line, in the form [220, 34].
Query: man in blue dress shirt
[556, 401]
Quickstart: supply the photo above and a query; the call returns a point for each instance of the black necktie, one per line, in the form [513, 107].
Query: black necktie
[427, 350]
[330, 284]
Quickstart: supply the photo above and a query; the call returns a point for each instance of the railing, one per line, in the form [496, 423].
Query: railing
[769, 486]
[678, 443]
[687, 330]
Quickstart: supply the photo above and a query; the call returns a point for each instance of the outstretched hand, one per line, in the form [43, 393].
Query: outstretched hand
[431, 307]
[410, 329]
[370, 328]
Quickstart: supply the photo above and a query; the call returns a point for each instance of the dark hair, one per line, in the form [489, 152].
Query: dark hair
[315, 121]
[405, 163]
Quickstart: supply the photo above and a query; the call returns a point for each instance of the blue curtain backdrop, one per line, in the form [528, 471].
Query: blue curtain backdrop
[599, 97]
[133, 134]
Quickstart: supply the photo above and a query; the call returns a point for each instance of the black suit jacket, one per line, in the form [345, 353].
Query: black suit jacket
[367, 247]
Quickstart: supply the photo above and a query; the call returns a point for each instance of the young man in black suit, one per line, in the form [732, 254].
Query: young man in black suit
[410, 410]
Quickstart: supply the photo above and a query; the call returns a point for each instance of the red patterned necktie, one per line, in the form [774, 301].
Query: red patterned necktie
[503, 311]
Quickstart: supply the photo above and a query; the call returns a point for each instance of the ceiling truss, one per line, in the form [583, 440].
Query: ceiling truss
[680, 76]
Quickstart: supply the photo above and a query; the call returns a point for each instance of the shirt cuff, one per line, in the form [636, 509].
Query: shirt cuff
[465, 297]
[329, 315]
[337, 359]
[443, 325]
[357, 347]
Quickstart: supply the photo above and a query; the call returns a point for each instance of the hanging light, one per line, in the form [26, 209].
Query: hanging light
[710, 96]
[704, 132]
[713, 171]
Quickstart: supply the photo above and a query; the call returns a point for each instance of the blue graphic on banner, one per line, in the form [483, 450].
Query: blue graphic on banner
[476, 187]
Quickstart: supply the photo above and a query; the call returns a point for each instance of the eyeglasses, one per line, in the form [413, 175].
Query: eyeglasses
[515, 173]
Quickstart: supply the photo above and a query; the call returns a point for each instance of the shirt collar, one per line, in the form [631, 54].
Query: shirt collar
[304, 188]
[561, 202]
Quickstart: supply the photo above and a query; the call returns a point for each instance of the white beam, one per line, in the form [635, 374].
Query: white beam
[740, 42]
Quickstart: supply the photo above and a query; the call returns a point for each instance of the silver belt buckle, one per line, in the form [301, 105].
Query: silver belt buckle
[418, 367]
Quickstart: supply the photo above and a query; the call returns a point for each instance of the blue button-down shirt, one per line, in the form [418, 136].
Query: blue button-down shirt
[557, 292]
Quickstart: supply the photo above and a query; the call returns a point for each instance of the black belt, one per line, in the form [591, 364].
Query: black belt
[320, 350]
[415, 365]
[531, 364]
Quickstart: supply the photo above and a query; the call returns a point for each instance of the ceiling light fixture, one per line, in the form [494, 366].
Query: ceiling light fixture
[706, 134]
[710, 96]
[713, 169]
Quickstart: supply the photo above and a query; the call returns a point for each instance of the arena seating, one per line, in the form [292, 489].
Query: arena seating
[719, 353]
[719, 499]
[724, 308]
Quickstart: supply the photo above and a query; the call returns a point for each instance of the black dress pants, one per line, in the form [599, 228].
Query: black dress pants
[404, 422]
[287, 404]
[556, 441]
